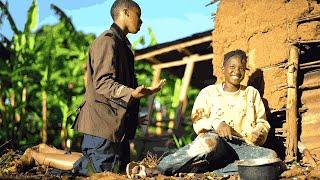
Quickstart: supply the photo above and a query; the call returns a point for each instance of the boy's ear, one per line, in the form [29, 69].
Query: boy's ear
[123, 13]
[126, 11]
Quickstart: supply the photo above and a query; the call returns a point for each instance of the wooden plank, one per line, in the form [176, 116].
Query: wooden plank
[310, 18]
[184, 88]
[292, 110]
[304, 41]
[153, 60]
[193, 58]
[311, 66]
[310, 63]
[173, 47]
[185, 51]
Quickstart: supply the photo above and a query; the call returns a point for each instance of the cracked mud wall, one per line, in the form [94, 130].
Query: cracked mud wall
[264, 29]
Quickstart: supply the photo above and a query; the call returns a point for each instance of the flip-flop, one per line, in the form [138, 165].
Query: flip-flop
[136, 170]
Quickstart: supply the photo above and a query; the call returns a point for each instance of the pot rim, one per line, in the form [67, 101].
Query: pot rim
[258, 161]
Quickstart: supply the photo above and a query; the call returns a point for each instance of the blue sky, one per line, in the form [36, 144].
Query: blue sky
[169, 19]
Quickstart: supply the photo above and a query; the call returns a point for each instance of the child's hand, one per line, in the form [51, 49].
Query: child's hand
[257, 137]
[224, 130]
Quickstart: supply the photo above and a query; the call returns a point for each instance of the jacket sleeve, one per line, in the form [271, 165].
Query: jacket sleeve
[103, 55]
[262, 125]
[200, 115]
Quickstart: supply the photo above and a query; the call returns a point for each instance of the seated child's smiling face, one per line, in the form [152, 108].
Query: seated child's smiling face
[234, 70]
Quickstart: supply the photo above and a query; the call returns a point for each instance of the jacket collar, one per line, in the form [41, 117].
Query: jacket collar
[119, 33]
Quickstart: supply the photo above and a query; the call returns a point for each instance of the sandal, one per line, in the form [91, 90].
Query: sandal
[136, 170]
[140, 170]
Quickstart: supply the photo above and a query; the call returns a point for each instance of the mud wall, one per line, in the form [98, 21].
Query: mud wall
[264, 29]
[309, 91]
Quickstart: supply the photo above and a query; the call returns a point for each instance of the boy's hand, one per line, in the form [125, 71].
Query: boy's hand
[142, 91]
[158, 87]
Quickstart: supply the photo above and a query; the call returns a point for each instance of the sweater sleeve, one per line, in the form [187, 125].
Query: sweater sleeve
[202, 115]
[262, 125]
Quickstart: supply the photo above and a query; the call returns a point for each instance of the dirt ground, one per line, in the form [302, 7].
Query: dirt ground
[9, 169]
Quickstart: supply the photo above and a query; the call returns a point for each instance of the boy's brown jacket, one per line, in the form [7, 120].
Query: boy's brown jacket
[106, 111]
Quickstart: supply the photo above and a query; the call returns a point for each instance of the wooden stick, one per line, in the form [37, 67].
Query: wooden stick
[5, 144]
[310, 66]
[271, 67]
[309, 86]
[301, 110]
[304, 41]
[310, 18]
[309, 63]
[292, 110]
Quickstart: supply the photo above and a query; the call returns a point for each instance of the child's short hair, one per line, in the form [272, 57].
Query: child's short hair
[231, 54]
[121, 4]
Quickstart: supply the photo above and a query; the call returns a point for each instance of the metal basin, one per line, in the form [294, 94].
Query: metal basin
[261, 168]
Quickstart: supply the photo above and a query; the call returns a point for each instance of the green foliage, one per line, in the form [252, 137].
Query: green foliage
[32, 19]
[182, 141]
[153, 40]
[140, 40]
[49, 61]
[63, 18]
[43, 71]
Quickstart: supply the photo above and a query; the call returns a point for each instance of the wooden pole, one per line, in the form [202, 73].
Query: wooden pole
[185, 84]
[292, 110]
[155, 81]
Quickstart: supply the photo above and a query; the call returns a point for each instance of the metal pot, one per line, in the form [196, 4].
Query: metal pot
[261, 168]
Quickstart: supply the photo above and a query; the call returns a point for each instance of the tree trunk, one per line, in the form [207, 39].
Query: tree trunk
[24, 98]
[44, 117]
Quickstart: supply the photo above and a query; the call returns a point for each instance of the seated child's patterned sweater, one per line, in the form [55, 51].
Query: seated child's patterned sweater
[242, 110]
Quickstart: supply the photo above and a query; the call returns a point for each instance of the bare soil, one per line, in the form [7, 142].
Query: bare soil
[9, 169]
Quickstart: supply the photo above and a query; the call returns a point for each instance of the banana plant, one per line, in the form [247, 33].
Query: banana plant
[41, 73]
[14, 70]
[63, 53]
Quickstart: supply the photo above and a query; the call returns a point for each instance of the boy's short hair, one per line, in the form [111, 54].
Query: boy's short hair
[118, 5]
[231, 54]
